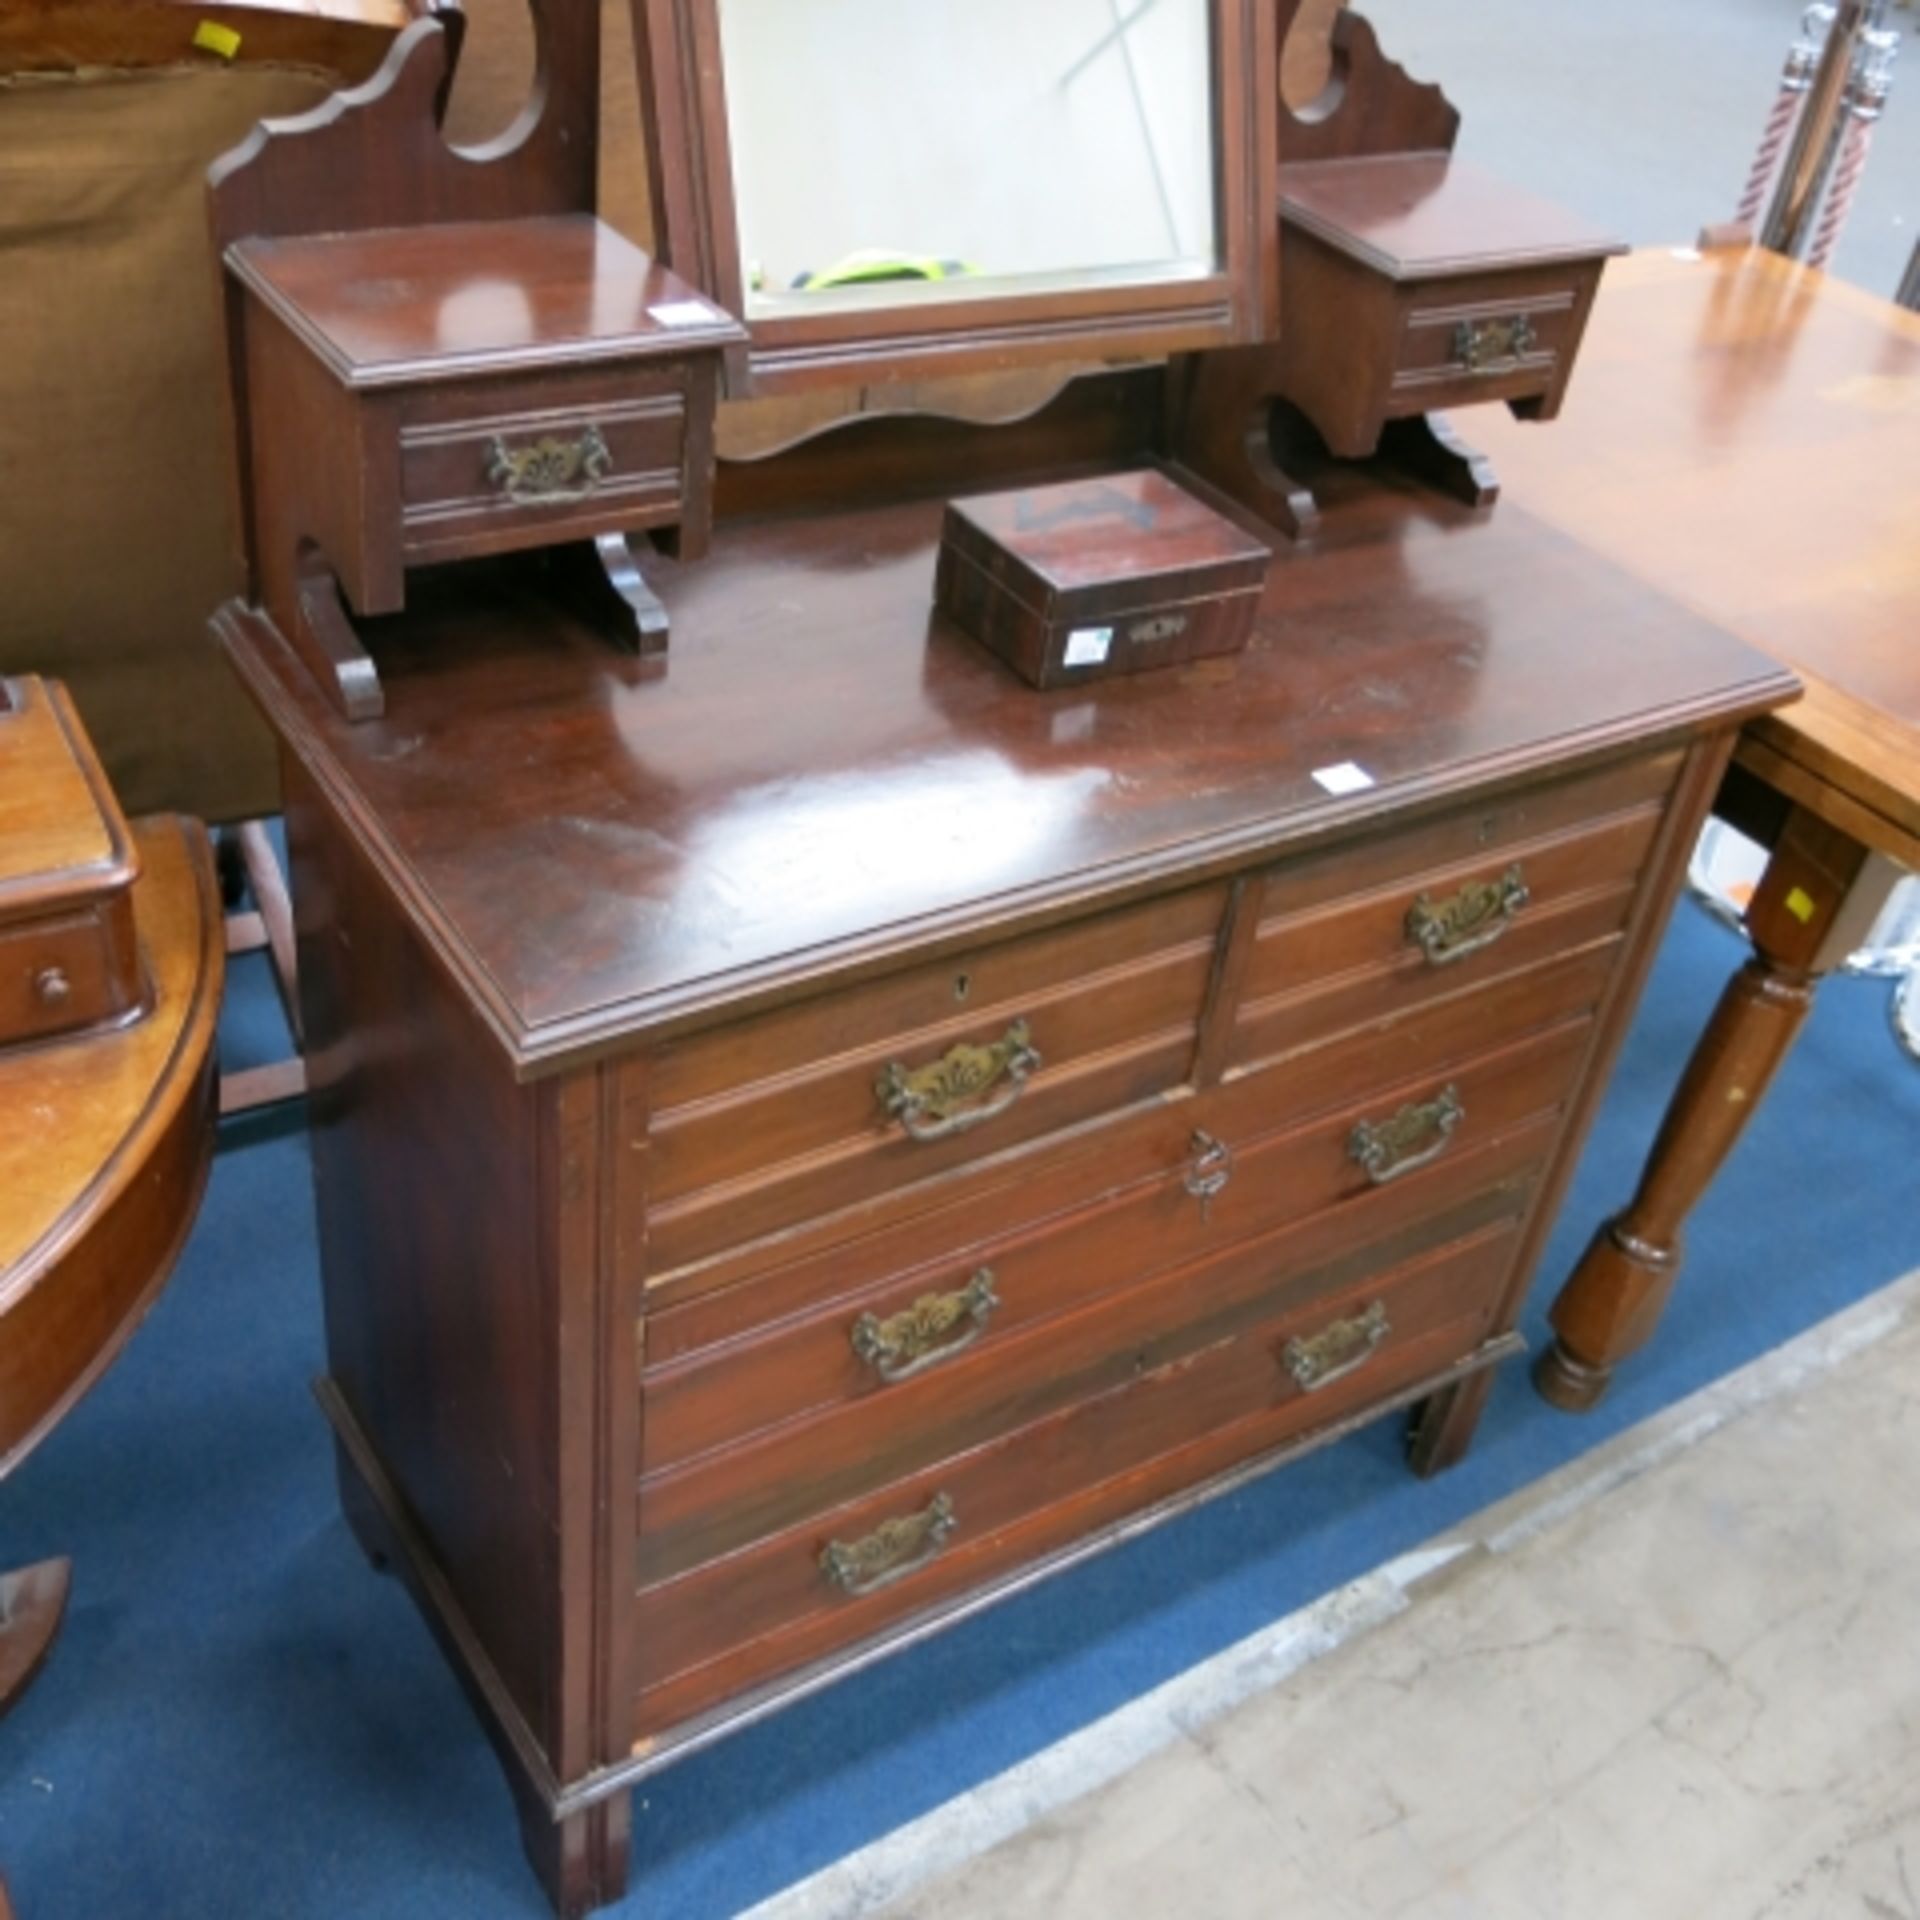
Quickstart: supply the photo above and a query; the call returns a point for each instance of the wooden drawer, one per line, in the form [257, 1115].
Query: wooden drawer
[60, 974]
[731, 1364]
[821, 1106]
[1240, 1248]
[960, 1521]
[1488, 337]
[489, 466]
[1356, 937]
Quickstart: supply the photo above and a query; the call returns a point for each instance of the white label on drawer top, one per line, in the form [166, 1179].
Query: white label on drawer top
[1345, 778]
[683, 313]
[1088, 646]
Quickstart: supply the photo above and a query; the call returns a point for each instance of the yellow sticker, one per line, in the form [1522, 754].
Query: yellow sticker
[211, 37]
[1800, 905]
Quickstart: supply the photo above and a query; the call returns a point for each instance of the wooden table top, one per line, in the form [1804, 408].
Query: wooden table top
[105, 1141]
[1744, 434]
[824, 775]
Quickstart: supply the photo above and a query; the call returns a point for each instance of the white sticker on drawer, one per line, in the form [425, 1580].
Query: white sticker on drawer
[683, 313]
[1345, 778]
[1088, 646]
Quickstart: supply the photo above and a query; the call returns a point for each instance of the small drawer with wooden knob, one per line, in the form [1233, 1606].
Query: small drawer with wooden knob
[65, 974]
[1274, 1375]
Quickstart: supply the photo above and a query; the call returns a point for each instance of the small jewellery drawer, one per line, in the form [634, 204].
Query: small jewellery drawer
[1356, 936]
[1219, 1239]
[859, 1093]
[487, 466]
[839, 1576]
[1501, 339]
[58, 975]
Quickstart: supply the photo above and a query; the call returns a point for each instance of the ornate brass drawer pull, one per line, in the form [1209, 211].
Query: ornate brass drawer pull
[1493, 346]
[1463, 923]
[1334, 1354]
[915, 1338]
[940, 1098]
[549, 470]
[891, 1551]
[1414, 1137]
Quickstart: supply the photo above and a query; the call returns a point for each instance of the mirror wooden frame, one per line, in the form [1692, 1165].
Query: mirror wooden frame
[689, 158]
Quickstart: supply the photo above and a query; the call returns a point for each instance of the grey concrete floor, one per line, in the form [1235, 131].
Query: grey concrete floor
[1644, 114]
[1679, 1682]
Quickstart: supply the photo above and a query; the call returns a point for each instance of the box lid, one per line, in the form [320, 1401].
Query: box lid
[406, 305]
[1418, 216]
[1118, 542]
[63, 838]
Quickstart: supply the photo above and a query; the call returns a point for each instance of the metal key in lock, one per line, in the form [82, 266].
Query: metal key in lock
[1212, 1168]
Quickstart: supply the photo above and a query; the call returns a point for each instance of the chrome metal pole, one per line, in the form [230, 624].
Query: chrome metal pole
[1816, 139]
[1908, 294]
[1795, 78]
[1865, 102]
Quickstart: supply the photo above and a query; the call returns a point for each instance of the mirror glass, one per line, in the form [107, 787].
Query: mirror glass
[893, 151]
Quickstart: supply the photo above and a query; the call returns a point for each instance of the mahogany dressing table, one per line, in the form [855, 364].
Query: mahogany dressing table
[811, 1134]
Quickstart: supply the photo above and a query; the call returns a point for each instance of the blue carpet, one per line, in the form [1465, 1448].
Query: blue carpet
[242, 1720]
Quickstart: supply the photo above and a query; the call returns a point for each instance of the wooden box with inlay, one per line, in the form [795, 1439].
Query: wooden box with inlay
[1095, 577]
[69, 957]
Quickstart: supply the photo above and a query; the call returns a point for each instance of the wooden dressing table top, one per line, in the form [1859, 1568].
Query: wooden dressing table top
[1745, 436]
[823, 775]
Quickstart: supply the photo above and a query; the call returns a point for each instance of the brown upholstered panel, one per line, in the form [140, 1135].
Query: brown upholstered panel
[115, 536]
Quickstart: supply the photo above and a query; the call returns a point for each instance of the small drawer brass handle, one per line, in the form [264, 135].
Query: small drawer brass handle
[891, 1551]
[924, 1334]
[1336, 1352]
[1465, 922]
[1495, 345]
[52, 987]
[548, 470]
[1414, 1137]
[957, 1091]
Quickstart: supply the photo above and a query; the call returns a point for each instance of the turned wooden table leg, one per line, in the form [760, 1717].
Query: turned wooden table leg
[1816, 900]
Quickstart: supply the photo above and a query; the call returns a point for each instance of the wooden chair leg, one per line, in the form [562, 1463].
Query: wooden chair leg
[267, 926]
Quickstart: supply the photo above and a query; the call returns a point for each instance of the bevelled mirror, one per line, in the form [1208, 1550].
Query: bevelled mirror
[910, 187]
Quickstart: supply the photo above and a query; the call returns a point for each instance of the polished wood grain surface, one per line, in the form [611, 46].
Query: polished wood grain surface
[105, 1142]
[1421, 216]
[439, 302]
[683, 839]
[1745, 436]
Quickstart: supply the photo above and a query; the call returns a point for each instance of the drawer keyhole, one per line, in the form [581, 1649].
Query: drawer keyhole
[962, 985]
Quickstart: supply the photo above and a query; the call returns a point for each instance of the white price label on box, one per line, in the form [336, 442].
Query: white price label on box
[1088, 646]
